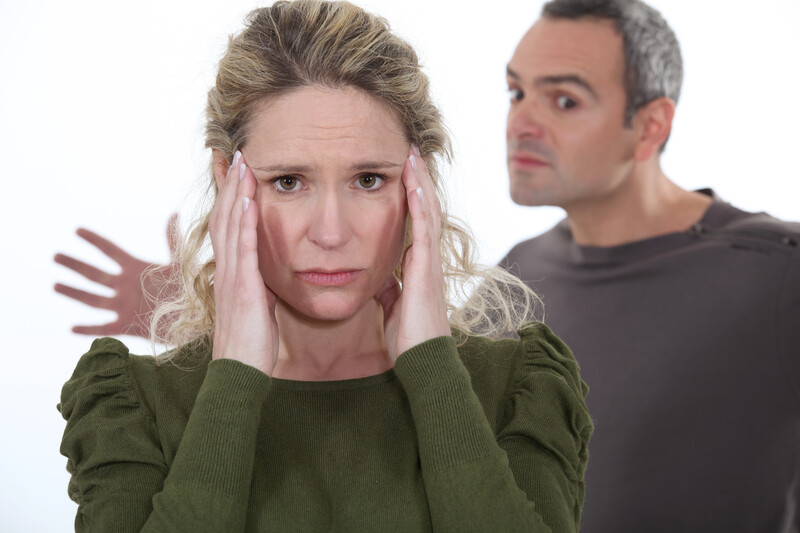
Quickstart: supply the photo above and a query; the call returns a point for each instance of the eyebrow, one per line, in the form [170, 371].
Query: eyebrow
[357, 167]
[572, 79]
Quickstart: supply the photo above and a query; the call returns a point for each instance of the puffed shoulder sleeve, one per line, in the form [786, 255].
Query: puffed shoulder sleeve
[547, 425]
[112, 449]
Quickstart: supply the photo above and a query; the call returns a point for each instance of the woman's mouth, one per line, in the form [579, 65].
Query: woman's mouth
[322, 278]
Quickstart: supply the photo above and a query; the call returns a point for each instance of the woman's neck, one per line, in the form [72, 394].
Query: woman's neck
[321, 350]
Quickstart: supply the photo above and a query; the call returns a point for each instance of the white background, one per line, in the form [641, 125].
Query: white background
[101, 107]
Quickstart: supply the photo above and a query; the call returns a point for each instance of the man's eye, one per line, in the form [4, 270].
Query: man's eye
[369, 181]
[515, 95]
[287, 183]
[565, 102]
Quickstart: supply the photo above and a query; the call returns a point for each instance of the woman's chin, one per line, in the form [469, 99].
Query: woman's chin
[329, 308]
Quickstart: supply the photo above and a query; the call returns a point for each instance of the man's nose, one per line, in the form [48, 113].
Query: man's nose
[525, 120]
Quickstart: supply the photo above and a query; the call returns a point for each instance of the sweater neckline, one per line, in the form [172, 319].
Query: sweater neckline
[716, 215]
[335, 385]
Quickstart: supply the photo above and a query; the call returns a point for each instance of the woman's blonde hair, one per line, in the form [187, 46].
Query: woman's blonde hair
[304, 43]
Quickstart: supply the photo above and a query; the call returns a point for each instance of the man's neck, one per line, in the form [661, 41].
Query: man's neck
[647, 205]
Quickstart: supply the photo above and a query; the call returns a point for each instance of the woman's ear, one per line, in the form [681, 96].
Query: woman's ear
[221, 165]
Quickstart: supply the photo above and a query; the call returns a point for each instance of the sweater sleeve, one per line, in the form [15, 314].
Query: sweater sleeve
[119, 477]
[528, 476]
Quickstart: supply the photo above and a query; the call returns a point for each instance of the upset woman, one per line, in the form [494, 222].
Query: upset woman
[338, 362]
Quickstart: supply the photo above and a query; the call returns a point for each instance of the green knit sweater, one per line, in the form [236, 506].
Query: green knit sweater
[488, 436]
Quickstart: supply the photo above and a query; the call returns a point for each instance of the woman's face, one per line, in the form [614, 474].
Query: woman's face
[332, 206]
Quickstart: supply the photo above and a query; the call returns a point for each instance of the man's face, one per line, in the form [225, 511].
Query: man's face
[567, 143]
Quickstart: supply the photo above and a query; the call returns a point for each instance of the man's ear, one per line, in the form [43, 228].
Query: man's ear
[221, 165]
[653, 125]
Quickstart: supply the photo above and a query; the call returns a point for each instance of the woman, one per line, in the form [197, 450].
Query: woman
[320, 393]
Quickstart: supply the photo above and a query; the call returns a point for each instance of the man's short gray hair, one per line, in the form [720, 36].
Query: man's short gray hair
[653, 63]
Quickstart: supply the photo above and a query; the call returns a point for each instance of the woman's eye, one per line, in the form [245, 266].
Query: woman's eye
[565, 102]
[287, 183]
[369, 181]
[515, 95]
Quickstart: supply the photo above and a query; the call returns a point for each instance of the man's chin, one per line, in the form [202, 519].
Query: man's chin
[531, 189]
[529, 197]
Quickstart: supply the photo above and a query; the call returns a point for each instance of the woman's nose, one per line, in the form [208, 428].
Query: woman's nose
[329, 227]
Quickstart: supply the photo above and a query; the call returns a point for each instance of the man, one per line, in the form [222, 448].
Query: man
[683, 311]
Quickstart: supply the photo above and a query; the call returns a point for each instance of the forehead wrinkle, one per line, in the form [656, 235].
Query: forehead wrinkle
[361, 165]
[314, 129]
[361, 134]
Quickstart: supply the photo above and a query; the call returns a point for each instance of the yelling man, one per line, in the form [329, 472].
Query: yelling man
[683, 311]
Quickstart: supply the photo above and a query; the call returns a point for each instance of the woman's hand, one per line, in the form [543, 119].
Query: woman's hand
[245, 328]
[417, 312]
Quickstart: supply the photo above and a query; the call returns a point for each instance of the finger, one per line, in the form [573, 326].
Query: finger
[218, 224]
[388, 294]
[409, 175]
[424, 178]
[104, 245]
[227, 192]
[112, 328]
[431, 204]
[235, 219]
[248, 240]
[420, 228]
[92, 300]
[85, 270]
[173, 234]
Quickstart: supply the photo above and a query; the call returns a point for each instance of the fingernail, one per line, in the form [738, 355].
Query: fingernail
[242, 170]
[236, 157]
[415, 148]
[413, 162]
[246, 203]
[419, 193]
